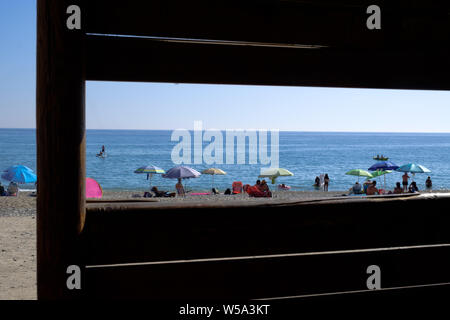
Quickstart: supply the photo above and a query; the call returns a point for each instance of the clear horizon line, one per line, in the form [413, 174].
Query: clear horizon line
[304, 131]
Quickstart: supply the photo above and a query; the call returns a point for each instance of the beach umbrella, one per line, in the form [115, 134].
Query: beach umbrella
[19, 174]
[213, 172]
[359, 173]
[181, 172]
[413, 168]
[93, 189]
[274, 173]
[150, 170]
[383, 165]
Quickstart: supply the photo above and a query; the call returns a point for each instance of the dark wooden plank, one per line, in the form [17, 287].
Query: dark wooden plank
[332, 23]
[125, 234]
[60, 131]
[268, 277]
[131, 59]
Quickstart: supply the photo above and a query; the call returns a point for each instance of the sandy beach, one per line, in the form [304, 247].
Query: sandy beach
[18, 231]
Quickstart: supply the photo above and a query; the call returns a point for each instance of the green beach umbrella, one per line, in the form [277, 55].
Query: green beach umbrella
[274, 173]
[379, 173]
[359, 173]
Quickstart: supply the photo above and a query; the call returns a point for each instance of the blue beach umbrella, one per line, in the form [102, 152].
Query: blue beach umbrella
[383, 166]
[19, 174]
[413, 168]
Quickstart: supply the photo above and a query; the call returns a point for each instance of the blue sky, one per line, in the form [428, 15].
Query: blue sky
[113, 105]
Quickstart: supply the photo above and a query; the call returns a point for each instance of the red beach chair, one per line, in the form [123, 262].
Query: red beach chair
[237, 187]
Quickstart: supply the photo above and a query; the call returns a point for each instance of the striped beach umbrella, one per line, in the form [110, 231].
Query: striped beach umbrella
[150, 170]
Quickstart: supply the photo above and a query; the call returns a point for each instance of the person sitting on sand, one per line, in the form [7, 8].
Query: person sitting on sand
[356, 189]
[180, 189]
[372, 189]
[265, 188]
[13, 189]
[398, 189]
[428, 183]
[2, 190]
[413, 187]
[161, 193]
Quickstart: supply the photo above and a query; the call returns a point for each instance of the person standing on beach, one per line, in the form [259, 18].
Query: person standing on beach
[405, 178]
[326, 181]
[179, 187]
[428, 183]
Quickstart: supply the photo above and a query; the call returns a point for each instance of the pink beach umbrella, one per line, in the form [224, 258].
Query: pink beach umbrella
[93, 189]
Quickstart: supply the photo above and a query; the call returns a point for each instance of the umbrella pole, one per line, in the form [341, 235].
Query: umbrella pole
[150, 178]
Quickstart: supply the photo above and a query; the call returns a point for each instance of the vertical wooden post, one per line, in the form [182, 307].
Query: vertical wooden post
[60, 132]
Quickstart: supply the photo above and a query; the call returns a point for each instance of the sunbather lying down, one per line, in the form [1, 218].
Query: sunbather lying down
[254, 191]
[161, 193]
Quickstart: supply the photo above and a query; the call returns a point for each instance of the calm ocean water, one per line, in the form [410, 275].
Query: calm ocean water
[305, 154]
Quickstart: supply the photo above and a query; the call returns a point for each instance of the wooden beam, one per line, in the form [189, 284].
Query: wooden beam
[333, 23]
[60, 130]
[125, 233]
[271, 277]
[135, 59]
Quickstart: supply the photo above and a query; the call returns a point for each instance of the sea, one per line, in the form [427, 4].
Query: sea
[305, 154]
